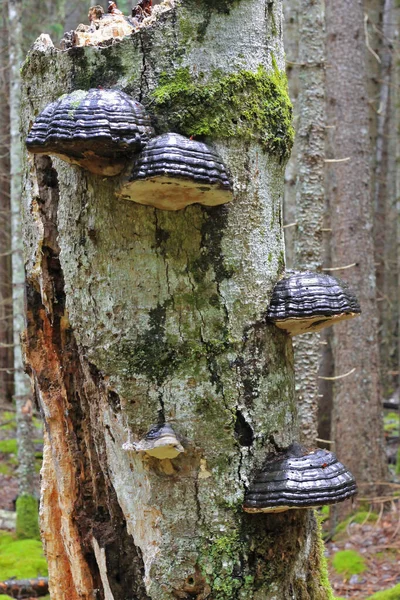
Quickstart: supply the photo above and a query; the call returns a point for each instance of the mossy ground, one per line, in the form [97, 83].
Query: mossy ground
[361, 516]
[348, 563]
[391, 594]
[21, 559]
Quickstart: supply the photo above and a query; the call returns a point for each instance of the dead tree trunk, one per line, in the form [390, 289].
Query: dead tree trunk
[137, 314]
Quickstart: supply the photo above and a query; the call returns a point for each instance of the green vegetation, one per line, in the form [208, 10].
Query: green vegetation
[21, 559]
[398, 462]
[391, 594]
[391, 424]
[359, 517]
[8, 446]
[324, 564]
[27, 517]
[348, 562]
[9, 420]
[247, 105]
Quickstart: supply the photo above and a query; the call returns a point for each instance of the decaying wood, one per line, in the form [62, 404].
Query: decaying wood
[25, 588]
[138, 316]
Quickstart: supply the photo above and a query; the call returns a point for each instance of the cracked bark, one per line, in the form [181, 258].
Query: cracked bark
[136, 314]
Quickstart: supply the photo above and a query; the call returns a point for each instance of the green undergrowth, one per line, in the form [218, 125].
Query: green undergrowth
[391, 594]
[362, 516]
[247, 105]
[391, 424]
[8, 446]
[27, 517]
[348, 563]
[21, 559]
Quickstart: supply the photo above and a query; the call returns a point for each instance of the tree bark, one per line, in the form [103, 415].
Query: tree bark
[136, 315]
[6, 313]
[22, 389]
[310, 198]
[357, 406]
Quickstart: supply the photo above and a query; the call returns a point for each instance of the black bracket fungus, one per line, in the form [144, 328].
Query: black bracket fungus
[160, 441]
[304, 302]
[299, 478]
[96, 129]
[173, 172]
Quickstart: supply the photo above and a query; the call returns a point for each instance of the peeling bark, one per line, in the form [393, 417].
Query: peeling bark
[136, 316]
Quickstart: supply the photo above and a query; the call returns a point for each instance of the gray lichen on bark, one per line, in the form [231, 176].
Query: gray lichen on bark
[167, 314]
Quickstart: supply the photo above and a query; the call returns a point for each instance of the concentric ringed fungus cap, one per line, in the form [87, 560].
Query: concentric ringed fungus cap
[173, 171]
[299, 478]
[96, 129]
[304, 302]
[160, 442]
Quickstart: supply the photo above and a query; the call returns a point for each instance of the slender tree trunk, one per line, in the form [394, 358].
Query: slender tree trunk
[23, 395]
[136, 313]
[6, 332]
[291, 12]
[310, 203]
[357, 423]
[385, 222]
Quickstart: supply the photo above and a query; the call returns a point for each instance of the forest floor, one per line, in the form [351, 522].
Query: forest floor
[367, 554]
[363, 553]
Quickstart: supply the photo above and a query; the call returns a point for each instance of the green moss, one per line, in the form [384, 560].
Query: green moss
[359, 517]
[9, 420]
[218, 564]
[3, 597]
[27, 517]
[8, 446]
[391, 423]
[397, 470]
[21, 559]
[246, 105]
[391, 594]
[348, 562]
[324, 575]
[6, 469]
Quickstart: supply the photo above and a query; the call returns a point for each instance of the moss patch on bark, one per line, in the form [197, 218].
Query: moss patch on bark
[246, 104]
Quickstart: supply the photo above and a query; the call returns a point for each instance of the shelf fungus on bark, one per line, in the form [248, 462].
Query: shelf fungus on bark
[96, 129]
[299, 478]
[161, 442]
[173, 172]
[304, 302]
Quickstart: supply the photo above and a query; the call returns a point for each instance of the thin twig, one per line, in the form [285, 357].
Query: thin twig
[290, 225]
[367, 39]
[337, 160]
[339, 268]
[338, 376]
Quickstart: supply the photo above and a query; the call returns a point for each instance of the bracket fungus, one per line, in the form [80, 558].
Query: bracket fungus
[96, 129]
[173, 172]
[304, 302]
[161, 442]
[299, 478]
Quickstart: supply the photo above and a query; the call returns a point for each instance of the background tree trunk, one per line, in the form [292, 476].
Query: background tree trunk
[310, 198]
[135, 314]
[6, 314]
[357, 406]
[26, 512]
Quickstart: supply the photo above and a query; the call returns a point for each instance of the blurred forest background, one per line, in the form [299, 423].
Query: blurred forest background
[344, 168]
